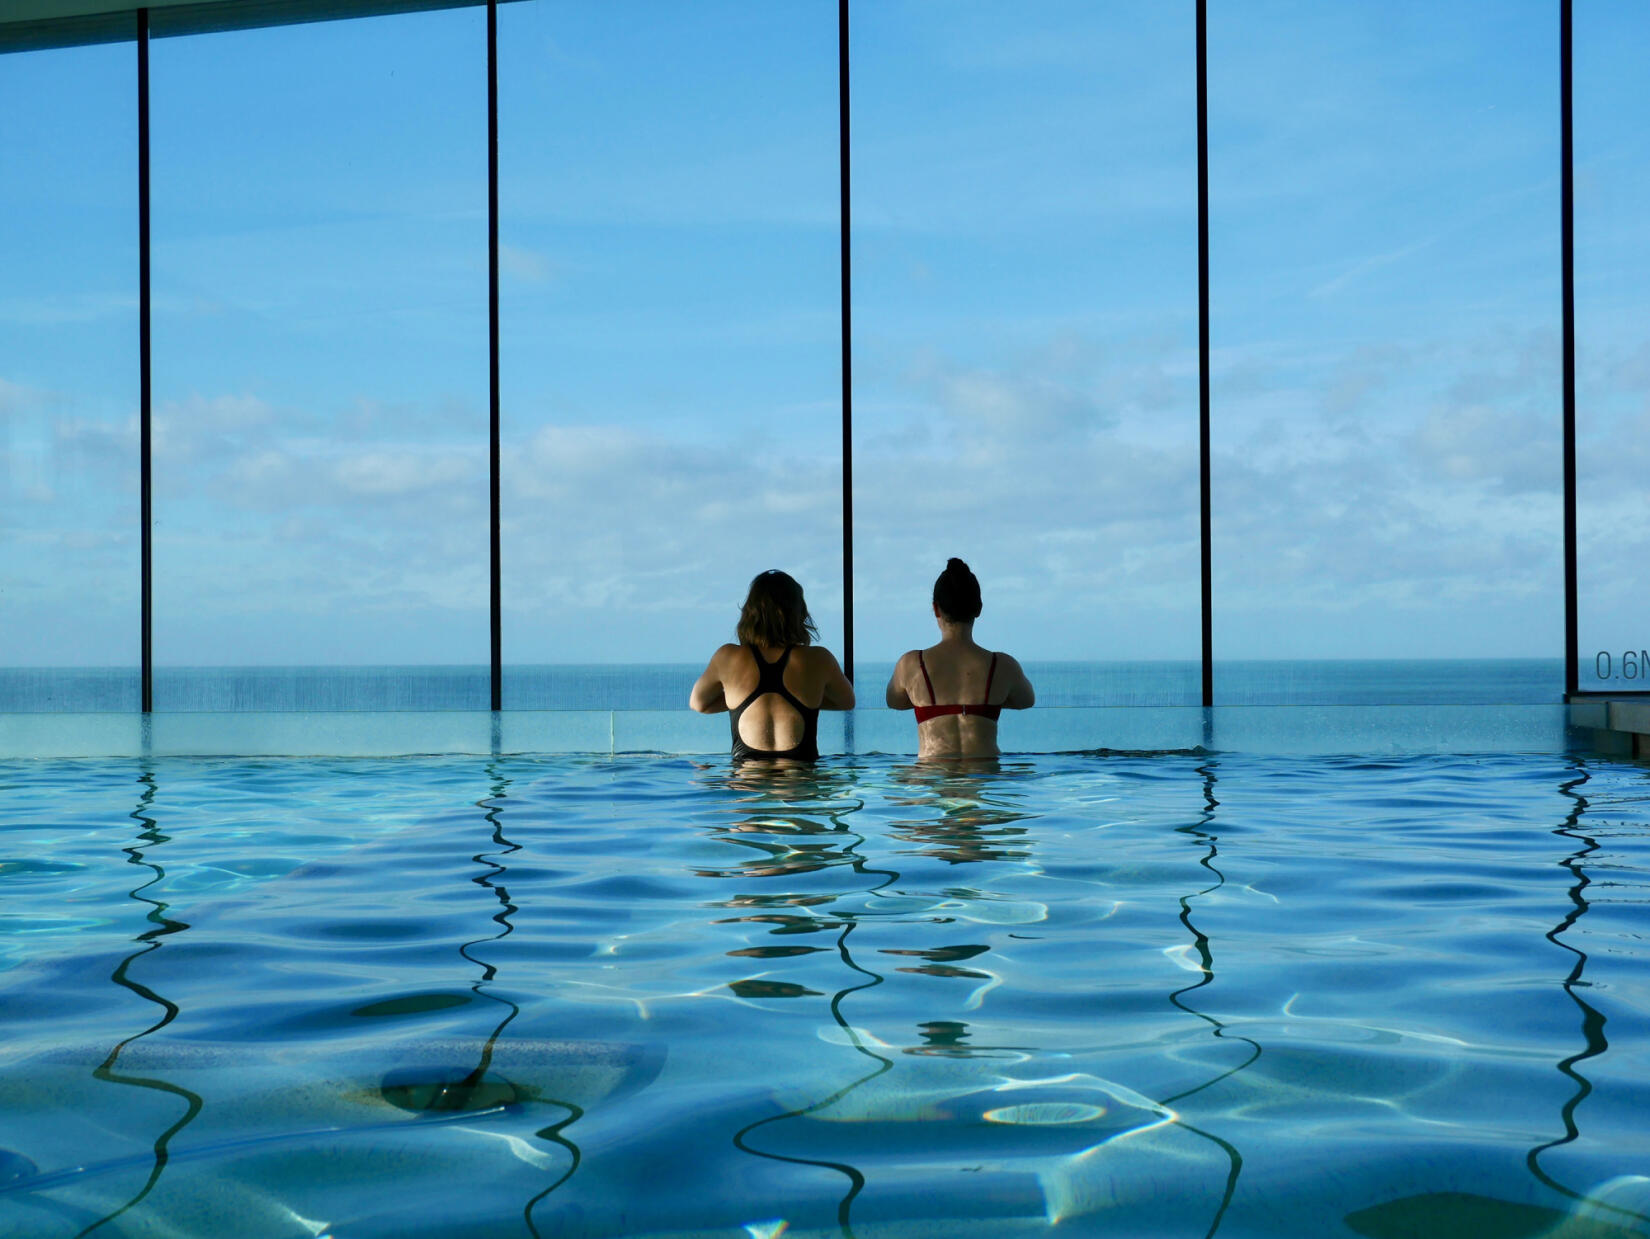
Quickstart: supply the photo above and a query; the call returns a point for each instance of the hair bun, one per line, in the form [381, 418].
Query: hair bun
[957, 592]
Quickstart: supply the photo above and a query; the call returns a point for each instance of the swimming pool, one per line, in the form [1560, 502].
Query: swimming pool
[1178, 994]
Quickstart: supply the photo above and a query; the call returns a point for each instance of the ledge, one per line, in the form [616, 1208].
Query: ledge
[1363, 731]
[1620, 726]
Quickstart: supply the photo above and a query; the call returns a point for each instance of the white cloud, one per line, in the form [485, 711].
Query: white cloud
[1507, 451]
[1358, 490]
[998, 403]
[375, 474]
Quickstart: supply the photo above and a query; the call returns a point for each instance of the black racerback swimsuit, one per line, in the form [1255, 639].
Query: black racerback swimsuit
[771, 679]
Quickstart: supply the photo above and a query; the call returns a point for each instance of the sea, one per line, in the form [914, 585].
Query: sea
[665, 686]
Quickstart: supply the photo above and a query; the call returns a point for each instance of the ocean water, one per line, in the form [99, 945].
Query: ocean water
[664, 686]
[1079, 996]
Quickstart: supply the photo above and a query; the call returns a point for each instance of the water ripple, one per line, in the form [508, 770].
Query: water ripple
[1172, 994]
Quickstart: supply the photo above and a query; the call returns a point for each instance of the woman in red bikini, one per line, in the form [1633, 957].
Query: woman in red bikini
[774, 683]
[957, 688]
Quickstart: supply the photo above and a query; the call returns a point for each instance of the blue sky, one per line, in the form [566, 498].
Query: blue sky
[1384, 185]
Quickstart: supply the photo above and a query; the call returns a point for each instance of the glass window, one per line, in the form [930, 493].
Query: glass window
[1612, 256]
[1386, 364]
[69, 379]
[1025, 337]
[320, 365]
[671, 331]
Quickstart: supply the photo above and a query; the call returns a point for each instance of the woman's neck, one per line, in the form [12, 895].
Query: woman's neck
[962, 633]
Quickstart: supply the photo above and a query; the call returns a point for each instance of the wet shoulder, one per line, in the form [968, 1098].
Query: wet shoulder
[812, 665]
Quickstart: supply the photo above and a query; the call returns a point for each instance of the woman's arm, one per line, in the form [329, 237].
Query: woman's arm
[896, 695]
[708, 695]
[839, 690]
[1022, 696]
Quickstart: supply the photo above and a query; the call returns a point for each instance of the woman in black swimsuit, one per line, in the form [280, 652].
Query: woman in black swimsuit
[774, 682]
[958, 687]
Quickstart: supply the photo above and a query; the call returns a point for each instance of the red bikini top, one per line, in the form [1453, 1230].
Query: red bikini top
[924, 713]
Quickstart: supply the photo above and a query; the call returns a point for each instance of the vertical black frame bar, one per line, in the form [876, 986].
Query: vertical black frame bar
[847, 348]
[496, 611]
[1203, 350]
[145, 553]
[1566, 197]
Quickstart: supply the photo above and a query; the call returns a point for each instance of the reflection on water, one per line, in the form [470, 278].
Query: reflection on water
[1594, 1042]
[1592, 1021]
[896, 999]
[1203, 832]
[1026, 1113]
[951, 1039]
[790, 815]
[965, 811]
[801, 802]
[742, 1139]
[493, 813]
[475, 1090]
[150, 940]
[941, 957]
[416, 1089]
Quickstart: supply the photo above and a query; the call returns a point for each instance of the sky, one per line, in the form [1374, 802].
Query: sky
[1385, 331]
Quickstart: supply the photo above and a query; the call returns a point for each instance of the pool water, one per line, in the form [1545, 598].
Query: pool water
[1174, 995]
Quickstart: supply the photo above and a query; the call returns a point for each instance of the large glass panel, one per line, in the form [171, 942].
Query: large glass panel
[1386, 403]
[69, 379]
[320, 284]
[1612, 203]
[1025, 337]
[671, 390]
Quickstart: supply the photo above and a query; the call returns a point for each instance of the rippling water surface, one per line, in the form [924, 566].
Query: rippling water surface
[1169, 995]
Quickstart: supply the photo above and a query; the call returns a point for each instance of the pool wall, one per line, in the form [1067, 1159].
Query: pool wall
[1253, 729]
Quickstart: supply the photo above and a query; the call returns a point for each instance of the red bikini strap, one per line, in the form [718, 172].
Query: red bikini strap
[932, 700]
[986, 700]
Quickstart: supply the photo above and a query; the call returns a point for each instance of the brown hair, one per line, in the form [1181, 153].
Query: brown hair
[775, 613]
[957, 592]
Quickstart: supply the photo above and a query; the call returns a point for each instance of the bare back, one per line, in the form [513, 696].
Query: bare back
[770, 723]
[970, 684]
